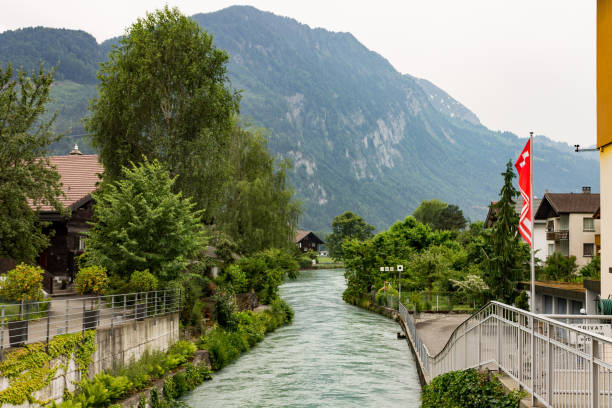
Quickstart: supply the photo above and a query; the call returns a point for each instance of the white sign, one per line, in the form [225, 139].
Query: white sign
[596, 328]
[400, 268]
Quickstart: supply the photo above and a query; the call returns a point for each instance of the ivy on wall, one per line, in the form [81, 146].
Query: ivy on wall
[31, 368]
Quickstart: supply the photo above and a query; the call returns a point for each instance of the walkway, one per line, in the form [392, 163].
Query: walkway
[435, 329]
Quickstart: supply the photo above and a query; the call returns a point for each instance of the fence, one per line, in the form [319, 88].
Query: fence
[40, 321]
[560, 365]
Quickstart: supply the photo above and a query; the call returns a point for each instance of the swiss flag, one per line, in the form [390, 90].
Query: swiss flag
[523, 166]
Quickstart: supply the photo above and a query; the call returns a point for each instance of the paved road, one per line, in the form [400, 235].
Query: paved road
[436, 329]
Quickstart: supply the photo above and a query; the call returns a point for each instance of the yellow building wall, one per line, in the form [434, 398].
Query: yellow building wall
[604, 137]
[604, 72]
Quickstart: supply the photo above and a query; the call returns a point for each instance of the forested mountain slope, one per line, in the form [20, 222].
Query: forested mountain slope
[362, 136]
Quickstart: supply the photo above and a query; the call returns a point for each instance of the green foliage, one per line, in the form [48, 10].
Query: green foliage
[139, 223]
[164, 94]
[592, 270]
[559, 267]
[91, 280]
[102, 390]
[29, 368]
[428, 212]
[522, 301]
[467, 389]
[225, 310]
[237, 279]
[26, 176]
[345, 227]
[192, 287]
[509, 258]
[472, 287]
[23, 284]
[265, 271]
[259, 211]
[225, 346]
[143, 281]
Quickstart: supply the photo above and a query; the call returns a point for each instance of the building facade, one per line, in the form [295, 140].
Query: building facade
[570, 225]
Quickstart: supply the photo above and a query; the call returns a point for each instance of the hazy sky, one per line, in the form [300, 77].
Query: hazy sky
[519, 65]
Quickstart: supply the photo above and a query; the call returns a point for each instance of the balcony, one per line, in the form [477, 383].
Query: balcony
[557, 235]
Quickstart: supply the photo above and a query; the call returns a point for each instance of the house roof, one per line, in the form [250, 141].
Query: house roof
[79, 177]
[300, 235]
[554, 204]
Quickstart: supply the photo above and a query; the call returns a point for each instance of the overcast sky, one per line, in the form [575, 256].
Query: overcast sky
[519, 65]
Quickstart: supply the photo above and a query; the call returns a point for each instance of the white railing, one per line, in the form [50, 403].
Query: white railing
[560, 365]
[34, 322]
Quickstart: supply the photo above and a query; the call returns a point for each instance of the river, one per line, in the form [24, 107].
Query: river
[333, 355]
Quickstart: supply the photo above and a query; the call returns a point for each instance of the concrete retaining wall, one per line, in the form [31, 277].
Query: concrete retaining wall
[114, 347]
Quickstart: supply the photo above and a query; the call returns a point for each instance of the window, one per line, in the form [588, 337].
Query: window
[588, 225]
[588, 250]
[550, 226]
[81, 243]
[551, 249]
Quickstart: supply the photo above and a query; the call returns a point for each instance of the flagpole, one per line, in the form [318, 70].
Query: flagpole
[532, 224]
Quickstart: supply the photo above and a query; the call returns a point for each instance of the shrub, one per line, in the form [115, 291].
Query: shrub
[592, 269]
[522, 301]
[467, 389]
[143, 281]
[91, 280]
[23, 284]
[237, 279]
[225, 309]
[102, 390]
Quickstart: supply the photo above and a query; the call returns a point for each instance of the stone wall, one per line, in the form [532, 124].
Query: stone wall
[114, 347]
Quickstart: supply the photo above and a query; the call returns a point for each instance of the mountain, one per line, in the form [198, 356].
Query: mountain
[362, 136]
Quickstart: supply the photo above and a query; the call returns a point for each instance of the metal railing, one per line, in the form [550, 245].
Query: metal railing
[33, 322]
[560, 365]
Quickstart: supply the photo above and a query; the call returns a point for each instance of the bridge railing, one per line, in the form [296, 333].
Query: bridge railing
[559, 364]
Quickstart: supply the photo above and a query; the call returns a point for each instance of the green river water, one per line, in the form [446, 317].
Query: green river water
[333, 355]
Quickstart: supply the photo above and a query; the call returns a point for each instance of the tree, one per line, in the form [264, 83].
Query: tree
[164, 94]
[560, 267]
[258, 211]
[440, 216]
[347, 226]
[451, 218]
[140, 223]
[506, 263]
[26, 176]
[428, 211]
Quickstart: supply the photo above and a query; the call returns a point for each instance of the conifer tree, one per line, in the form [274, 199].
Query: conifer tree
[506, 263]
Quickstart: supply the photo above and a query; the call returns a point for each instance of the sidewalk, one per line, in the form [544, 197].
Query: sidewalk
[435, 329]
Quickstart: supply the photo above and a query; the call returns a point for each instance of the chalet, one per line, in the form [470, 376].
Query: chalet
[79, 176]
[306, 240]
[571, 227]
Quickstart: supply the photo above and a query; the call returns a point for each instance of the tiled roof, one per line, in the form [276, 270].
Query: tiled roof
[300, 235]
[79, 176]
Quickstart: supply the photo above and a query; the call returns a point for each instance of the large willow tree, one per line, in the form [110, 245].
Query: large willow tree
[164, 94]
[26, 176]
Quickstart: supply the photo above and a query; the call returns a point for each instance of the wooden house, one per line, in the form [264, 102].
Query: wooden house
[306, 240]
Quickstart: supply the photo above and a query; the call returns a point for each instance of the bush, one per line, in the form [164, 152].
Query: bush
[225, 310]
[592, 270]
[522, 301]
[23, 284]
[102, 390]
[559, 267]
[467, 389]
[143, 281]
[237, 279]
[225, 346]
[91, 280]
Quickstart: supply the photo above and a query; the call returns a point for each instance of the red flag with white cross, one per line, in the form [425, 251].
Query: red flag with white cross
[523, 166]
